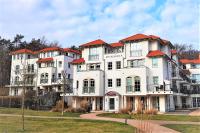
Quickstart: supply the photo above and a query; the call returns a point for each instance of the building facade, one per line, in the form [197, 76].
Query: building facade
[140, 70]
[41, 70]
[136, 70]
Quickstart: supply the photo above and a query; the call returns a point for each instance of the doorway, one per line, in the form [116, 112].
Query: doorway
[112, 103]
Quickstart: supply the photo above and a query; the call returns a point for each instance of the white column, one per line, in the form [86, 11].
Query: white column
[136, 102]
[94, 104]
[125, 102]
[179, 102]
[162, 102]
[74, 102]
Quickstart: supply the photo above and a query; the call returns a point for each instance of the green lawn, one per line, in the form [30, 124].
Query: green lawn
[155, 117]
[184, 128]
[38, 125]
[36, 113]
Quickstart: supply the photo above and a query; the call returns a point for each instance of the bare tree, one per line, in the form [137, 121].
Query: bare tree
[66, 87]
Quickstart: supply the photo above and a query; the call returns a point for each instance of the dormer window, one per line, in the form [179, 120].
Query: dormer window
[136, 50]
[93, 54]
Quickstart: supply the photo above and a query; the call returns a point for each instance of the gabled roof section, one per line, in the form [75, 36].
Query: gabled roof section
[71, 50]
[138, 37]
[117, 44]
[78, 61]
[97, 42]
[135, 37]
[45, 60]
[50, 49]
[155, 53]
[187, 61]
[22, 51]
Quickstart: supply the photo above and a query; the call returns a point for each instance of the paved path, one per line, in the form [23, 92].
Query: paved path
[195, 113]
[153, 125]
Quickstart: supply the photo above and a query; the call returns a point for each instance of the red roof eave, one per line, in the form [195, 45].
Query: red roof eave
[155, 53]
[78, 61]
[187, 61]
[71, 50]
[118, 44]
[93, 43]
[45, 60]
[21, 51]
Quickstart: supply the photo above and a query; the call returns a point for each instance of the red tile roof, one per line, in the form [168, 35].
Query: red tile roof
[78, 61]
[22, 51]
[137, 37]
[50, 49]
[45, 60]
[94, 43]
[174, 51]
[71, 50]
[187, 61]
[117, 44]
[112, 93]
[155, 53]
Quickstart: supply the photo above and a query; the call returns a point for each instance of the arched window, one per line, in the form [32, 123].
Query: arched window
[129, 87]
[137, 83]
[85, 86]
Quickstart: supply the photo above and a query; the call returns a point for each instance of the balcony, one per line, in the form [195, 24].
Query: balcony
[88, 89]
[43, 81]
[159, 89]
[21, 83]
[93, 57]
[129, 89]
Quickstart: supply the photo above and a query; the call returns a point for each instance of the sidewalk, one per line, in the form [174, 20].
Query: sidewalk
[154, 126]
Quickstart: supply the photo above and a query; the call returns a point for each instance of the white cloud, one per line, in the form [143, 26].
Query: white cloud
[78, 21]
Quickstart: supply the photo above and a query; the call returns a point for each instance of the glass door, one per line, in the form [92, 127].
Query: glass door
[112, 103]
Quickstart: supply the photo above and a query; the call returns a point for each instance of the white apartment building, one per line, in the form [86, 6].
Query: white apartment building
[137, 69]
[193, 66]
[41, 70]
[140, 69]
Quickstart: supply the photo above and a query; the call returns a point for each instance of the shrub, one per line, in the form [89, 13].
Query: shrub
[84, 104]
[151, 111]
[125, 111]
[58, 107]
[80, 110]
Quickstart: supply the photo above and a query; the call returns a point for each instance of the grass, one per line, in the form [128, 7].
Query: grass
[38, 125]
[155, 117]
[36, 113]
[184, 128]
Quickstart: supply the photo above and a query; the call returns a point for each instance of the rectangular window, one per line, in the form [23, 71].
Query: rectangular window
[69, 65]
[98, 66]
[92, 67]
[118, 82]
[59, 75]
[60, 63]
[109, 65]
[109, 82]
[93, 54]
[155, 80]
[137, 63]
[77, 84]
[154, 62]
[136, 50]
[69, 76]
[118, 65]
[78, 68]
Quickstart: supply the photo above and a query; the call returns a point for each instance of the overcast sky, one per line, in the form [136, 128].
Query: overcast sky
[74, 22]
